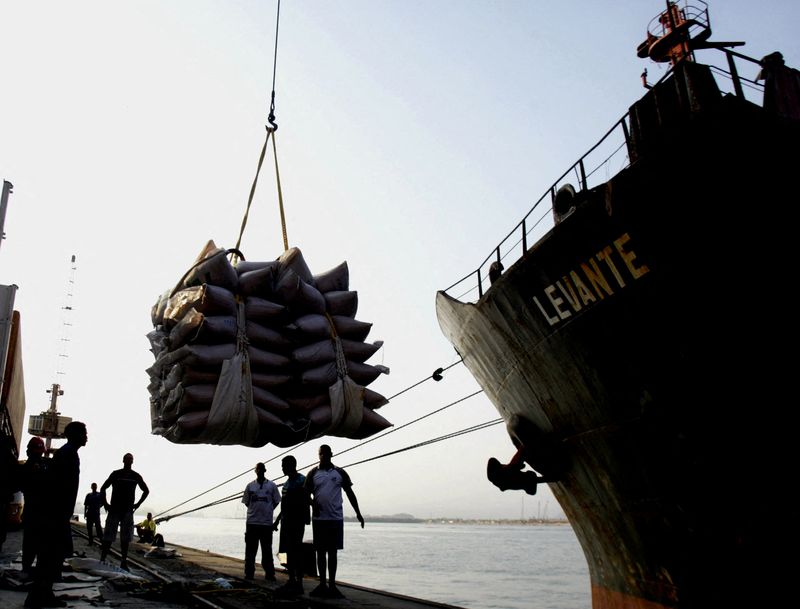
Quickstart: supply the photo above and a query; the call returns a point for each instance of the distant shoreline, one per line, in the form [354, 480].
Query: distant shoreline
[464, 521]
[409, 519]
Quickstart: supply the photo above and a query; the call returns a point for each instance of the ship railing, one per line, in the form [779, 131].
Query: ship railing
[730, 80]
[691, 12]
[606, 158]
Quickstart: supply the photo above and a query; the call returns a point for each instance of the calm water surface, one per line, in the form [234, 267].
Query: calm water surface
[473, 566]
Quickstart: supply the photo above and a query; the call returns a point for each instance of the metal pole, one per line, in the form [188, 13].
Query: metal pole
[8, 188]
[51, 416]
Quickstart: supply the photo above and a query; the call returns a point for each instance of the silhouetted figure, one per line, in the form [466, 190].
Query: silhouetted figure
[781, 86]
[146, 529]
[260, 496]
[293, 519]
[62, 480]
[9, 480]
[123, 483]
[326, 483]
[495, 270]
[91, 512]
[34, 486]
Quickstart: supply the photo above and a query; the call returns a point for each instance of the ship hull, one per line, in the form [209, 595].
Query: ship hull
[645, 336]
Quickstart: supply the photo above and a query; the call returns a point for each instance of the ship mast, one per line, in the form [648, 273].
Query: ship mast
[676, 33]
[49, 424]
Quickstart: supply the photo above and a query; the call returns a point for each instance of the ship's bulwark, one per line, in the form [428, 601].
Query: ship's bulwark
[651, 334]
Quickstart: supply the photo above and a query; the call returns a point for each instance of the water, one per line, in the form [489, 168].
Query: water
[474, 566]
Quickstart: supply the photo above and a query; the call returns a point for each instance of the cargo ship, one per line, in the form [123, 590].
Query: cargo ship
[638, 350]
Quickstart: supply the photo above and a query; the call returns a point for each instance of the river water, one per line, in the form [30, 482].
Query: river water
[469, 565]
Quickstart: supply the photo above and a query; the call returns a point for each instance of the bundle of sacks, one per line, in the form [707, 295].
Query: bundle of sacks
[261, 352]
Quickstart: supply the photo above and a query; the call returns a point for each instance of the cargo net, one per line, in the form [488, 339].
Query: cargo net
[261, 352]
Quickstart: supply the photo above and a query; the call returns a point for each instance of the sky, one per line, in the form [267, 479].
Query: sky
[413, 135]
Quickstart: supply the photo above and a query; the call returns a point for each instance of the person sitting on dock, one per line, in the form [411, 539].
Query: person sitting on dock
[146, 529]
[293, 519]
[325, 483]
[122, 506]
[260, 496]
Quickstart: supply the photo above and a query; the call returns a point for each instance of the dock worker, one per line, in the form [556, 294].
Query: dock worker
[325, 483]
[260, 496]
[146, 529]
[63, 477]
[91, 512]
[123, 504]
[293, 519]
[35, 488]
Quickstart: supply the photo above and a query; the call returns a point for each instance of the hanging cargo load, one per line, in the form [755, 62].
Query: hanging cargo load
[261, 352]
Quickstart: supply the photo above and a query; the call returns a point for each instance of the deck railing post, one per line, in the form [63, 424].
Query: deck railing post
[625, 132]
[524, 238]
[584, 185]
[737, 84]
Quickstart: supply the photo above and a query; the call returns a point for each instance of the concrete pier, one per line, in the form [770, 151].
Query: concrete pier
[191, 578]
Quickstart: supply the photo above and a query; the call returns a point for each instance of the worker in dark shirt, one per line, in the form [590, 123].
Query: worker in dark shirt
[62, 480]
[294, 517]
[91, 511]
[122, 506]
[35, 487]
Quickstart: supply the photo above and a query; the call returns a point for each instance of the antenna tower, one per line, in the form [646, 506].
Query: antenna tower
[49, 424]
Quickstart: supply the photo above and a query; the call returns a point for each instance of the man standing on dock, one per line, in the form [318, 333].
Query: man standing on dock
[260, 496]
[326, 483]
[123, 483]
[63, 476]
[91, 512]
[293, 520]
[36, 489]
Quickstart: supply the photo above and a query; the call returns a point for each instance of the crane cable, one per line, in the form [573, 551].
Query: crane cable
[437, 376]
[449, 436]
[271, 128]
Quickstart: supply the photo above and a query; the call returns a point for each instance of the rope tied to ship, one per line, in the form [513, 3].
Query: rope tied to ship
[437, 372]
[442, 438]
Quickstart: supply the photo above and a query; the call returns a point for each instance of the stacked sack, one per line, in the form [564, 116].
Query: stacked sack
[261, 352]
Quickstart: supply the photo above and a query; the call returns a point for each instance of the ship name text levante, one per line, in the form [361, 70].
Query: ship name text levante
[609, 269]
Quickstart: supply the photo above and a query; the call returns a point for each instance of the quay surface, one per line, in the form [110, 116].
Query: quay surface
[191, 579]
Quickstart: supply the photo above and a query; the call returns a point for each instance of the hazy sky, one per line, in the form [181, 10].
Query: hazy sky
[413, 136]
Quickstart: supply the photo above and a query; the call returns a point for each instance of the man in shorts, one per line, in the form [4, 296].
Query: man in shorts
[325, 483]
[123, 483]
